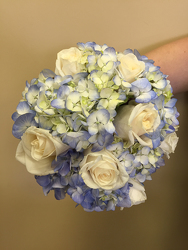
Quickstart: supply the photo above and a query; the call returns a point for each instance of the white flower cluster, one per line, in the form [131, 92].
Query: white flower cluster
[98, 127]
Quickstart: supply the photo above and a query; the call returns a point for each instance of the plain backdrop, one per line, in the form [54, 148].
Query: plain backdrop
[31, 34]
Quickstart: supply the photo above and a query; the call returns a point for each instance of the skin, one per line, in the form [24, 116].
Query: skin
[173, 61]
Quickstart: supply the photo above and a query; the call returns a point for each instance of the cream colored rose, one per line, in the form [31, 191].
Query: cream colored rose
[130, 66]
[103, 170]
[169, 144]
[134, 121]
[137, 192]
[67, 62]
[37, 149]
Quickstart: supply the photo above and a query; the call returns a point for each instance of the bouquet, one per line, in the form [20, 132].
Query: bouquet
[98, 127]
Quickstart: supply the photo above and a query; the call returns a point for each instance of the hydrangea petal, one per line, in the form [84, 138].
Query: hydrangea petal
[22, 123]
[14, 116]
[23, 108]
[58, 103]
[32, 94]
[160, 84]
[171, 103]
[59, 193]
[146, 97]
[43, 180]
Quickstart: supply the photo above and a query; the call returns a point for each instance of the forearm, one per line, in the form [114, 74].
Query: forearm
[173, 61]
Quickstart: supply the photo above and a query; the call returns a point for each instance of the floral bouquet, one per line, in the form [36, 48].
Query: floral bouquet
[98, 127]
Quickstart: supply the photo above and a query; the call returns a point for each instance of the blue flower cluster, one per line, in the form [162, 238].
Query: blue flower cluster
[67, 180]
[100, 125]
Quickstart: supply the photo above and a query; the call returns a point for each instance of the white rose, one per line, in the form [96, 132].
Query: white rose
[37, 149]
[130, 66]
[137, 193]
[103, 170]
[67, 62]
[134, 121]
[169, 144]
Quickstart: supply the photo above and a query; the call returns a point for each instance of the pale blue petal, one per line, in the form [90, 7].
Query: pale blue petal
[137, 54]
[77, 197]
[22, 123]
[130, 157]
[142, 84]
[49, 82]
[93, 130]
[110, 206]
[88, 45]
[65, 169]
[42, 102]
[79, 76]
[72, 138]
[70, 141]
[124, 203]
[99, 209]
[66, 79]
[146, 97]
[146, 150]
[93, 139]
[116, 64]
[43, 180]
[27, 84]
[127, 51]
[47, 189]
[93, 95]
[170, 130]
[135, 90]
[14, 116]
[23, 108]
[114, 146]
[33, 81]
[57, 183]
[91, 119]
[144, 159]
[58, 104]
[156, 142]
[45, 123]
[81, 46]
[175, 121]
[159, 101]
[58, 79]
[48, 73]
[108, 140]
[105, 58]
[117, 80]
[64, 181]
[111, 51]
[103, 116]
[91, 59]
[77, 124]
[59, 193]
[141, 177]
[96, 148]
[110, 127]
[171, 103]
[160, 84]
[32, 94]
[41, 85]
[71, 190]
[100, 140]
[84, 123]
